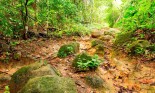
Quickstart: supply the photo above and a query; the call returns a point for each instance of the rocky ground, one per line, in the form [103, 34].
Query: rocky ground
[120, 73]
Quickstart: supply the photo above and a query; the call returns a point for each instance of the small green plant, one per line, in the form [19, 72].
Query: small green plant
[7, 89]
[139, 50]
[84, 62]
[68, 49]
[14, 43]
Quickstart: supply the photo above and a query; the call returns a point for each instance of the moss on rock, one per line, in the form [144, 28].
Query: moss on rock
[94, 81]
[96, 42]
[49, 84]
[100, 49]
[68, 49]
[138, 47]
[123, 37]
[99, 46]
[21, 76]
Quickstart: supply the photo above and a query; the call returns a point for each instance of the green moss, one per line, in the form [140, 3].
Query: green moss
[96, 42]
[49, 84]
[84, 62]
[138, 47]
[100, 49]
[20, 74]
[68, 49]
[94, 81]
[123, 37]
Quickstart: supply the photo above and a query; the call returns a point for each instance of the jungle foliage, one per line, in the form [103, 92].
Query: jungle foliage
[69, 17]
[138, 27]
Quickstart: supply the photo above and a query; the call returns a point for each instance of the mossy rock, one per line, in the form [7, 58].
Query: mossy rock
[138, 46]
[68, 49]
[49, 84]
[96, 42]
[100, 49]
[97, 34]
[106, 38]
[123, 37]
[111, 32]
[45, 70]
[85, 62]
[99, 46]
[94, 81]
[21, 76]
[141, 43]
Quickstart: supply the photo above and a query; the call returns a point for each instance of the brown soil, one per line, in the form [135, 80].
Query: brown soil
[121, 74]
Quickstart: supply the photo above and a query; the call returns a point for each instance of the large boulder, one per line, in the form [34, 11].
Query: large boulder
[20, 77]
[49, 84]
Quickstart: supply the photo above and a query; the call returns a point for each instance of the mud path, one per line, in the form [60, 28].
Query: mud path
[121, 74]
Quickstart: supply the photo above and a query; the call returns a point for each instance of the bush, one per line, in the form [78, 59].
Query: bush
[84, 62]
[68, 49]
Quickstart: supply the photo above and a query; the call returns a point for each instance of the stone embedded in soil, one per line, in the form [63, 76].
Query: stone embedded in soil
[49, 84]
[68, 49]
[94, 81]
[96, 42]
[21, 76]
[96, 34]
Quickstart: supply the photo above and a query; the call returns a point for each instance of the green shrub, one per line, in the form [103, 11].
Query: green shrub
[84, 62]
[94, 81]
[68, 49]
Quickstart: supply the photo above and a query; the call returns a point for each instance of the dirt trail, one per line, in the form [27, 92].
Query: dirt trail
[120, 73]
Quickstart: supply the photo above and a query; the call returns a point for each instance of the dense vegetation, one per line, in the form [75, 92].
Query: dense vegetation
[97, 44]
[70, 17]
[138, 27]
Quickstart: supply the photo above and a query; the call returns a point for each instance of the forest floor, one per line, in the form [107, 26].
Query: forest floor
[121, 73]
